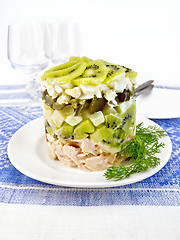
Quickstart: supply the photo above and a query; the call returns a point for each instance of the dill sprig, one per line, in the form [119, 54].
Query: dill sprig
[141, 150]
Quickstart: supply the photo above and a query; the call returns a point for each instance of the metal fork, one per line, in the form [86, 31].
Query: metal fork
[144, 88]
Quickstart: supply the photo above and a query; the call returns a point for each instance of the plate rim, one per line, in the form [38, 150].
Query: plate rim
[106, 183]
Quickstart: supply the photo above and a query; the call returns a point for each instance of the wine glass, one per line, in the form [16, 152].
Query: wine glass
[65, 41]
[29, 50]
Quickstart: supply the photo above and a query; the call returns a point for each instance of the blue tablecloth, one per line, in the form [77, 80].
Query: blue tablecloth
[162, 189]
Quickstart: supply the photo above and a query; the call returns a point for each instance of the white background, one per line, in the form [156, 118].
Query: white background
[144, 35]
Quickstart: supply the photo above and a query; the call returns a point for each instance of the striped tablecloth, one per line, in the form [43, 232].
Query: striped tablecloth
[125, 208]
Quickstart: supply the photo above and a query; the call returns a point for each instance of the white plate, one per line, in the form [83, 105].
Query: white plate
[159, 103]
[27, 152]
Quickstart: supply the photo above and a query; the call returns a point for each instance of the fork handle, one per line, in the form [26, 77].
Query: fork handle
[144, 90]
[144, 85]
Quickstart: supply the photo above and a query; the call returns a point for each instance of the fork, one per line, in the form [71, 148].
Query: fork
[144, 88]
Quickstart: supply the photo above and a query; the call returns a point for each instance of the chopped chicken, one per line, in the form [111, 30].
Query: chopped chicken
[70, 152]
[50, 138]
[68, 162]
[88, 146]
[84, 154]
[51, 150]
[98, 163]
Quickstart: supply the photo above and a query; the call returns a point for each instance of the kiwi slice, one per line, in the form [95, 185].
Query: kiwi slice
[83, 129]
[106, 133]
[102, 134]
[95, 73]
[86, 59]
[128, 118]
[113, 137]
[115, 143]
[58, 68]
[75, 58]
[79, 59]
[113, 71]
[119, 133]
[69, 74]
[108, 136]
[66, 131]
[127, 122]
[129, 72]
[96, 136]
[112, 121]
[62, 72]
[97, 104]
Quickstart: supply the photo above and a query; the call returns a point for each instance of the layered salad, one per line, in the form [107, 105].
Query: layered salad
[89, 111]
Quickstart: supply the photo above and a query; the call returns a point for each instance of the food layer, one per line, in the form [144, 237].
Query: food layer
[89, 110]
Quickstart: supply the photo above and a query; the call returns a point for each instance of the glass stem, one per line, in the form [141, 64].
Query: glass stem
[33, 89]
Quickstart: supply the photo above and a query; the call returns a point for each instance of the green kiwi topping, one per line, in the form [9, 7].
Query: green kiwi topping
[129, 72]
[94, 73]
[58, 68]
[113, 71]
[85, 59]
[64, 75]
[62, 72]
[82, 70]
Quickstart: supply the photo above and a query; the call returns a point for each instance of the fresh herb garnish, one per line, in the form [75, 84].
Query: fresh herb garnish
[141, 149]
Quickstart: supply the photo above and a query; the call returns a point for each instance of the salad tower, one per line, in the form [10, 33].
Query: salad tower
[89, 111]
